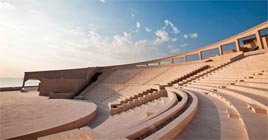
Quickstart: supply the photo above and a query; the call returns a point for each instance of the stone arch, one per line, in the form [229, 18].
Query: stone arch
[29, 79]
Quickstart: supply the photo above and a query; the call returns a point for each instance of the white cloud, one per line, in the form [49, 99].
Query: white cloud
[162, 36]
[166, 22]
[185, 36]
[75, 44]
[148, 29]
[132, 15]
[125, 49]
[28, 36]
[174, 39]
[193, 35]
[175, 30]
[138, 25]
[102, 1]
[6, 5]
[122, 40]
[184, 45]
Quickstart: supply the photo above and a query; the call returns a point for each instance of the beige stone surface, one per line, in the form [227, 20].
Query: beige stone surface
[213, 88]
[25, 113]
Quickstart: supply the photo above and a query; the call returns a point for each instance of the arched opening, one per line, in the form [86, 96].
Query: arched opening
[30, 85]
[32, 82]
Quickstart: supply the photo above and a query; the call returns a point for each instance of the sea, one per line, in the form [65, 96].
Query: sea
[16, 82]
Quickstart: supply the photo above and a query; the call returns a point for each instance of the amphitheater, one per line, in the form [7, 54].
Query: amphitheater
[208, 93]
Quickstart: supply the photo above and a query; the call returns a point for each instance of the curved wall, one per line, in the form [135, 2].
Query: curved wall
[83, 73]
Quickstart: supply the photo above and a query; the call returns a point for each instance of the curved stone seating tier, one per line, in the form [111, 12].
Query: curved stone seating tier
[147, 74]
[249, 75]
[262, 86]
[260, 70]
[230, 69]
[233, 81]
[173, 73]
[198, 74]
[253, 84]
[159, 104]
[139, 131]
[134, 89]
[247, 97]
[259, 80]
[256, 91]
[263, 80]
[240, 78]
[249, 118]
[121, 76]
[211, 113]
[125, 120]
[263, 93]
[240, 75]
[173, 100]
[50, 116]
[134, 101]
[176, 126]
[107, 93]
[230, 109]
[103, 90]
[189, 76]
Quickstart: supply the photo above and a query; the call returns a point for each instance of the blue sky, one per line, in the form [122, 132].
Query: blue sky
[57, 34]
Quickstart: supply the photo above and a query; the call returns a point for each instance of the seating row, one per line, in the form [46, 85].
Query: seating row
[135, 100]
[183, 111]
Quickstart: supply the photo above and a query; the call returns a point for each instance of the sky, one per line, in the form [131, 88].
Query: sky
[61, 34]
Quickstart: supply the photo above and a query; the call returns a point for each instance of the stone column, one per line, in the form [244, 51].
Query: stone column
[200, 55]
[24, 80]
[185, 58]
[220, 51]
[237, 44]
[265, 43]
[23, 83]
[259, 40]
